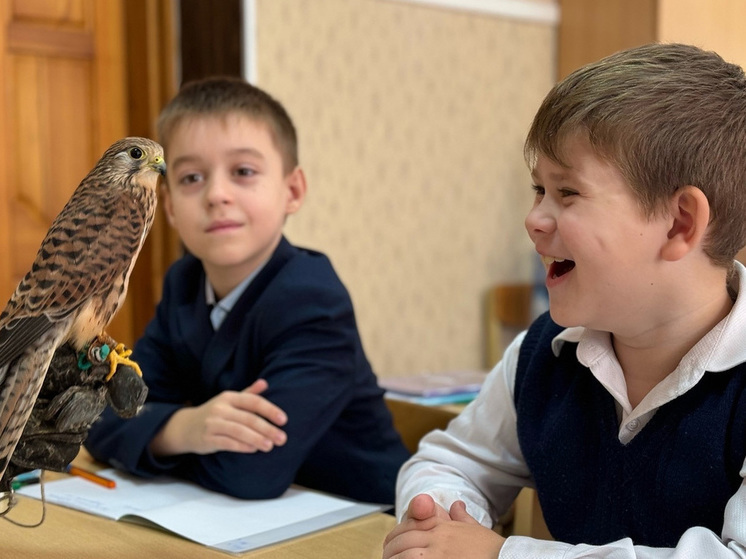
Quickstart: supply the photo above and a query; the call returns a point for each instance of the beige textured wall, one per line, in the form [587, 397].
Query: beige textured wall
[411, 122]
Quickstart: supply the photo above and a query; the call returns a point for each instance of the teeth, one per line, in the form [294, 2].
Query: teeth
[549, 260]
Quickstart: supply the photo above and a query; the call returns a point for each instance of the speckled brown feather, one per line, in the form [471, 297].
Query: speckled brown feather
[79, 278]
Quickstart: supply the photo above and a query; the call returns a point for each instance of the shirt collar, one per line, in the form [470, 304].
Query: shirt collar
[721, 349]
[226, 304]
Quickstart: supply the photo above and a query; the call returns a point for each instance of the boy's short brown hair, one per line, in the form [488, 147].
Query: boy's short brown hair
[221, 95]
[667, 116]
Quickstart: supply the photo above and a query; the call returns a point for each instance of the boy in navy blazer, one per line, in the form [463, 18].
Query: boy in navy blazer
[256, 373]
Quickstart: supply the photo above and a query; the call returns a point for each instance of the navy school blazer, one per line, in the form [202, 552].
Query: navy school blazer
[293, 326]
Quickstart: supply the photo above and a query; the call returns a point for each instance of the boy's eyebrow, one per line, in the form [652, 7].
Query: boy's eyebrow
[182, 159]
[552, 175]
[190, 158]
[247, 151]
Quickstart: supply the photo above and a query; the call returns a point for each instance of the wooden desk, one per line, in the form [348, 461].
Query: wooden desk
[70, 533]
[414, 421]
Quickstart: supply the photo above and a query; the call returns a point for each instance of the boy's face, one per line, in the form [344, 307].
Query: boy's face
[601, 252]
[227, 195]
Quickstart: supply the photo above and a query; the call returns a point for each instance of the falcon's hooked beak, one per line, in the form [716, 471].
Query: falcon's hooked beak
[159, 164]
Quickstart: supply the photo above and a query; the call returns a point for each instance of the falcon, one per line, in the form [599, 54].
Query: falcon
[78, 279]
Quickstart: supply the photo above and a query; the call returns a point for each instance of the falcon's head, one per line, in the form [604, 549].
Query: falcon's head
[132, 159]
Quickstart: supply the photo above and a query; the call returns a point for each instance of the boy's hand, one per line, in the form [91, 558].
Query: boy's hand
[233, 421]
[429, 532]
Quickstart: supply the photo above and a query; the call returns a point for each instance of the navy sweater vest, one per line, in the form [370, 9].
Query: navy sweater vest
[678, 472]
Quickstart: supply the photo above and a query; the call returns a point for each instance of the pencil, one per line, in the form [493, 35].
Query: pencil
[91, 476]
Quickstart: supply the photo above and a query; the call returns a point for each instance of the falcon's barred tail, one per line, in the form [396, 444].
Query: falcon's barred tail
[20, 389]
[21, 384]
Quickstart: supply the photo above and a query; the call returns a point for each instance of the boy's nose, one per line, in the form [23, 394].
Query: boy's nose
[539, 221]
[217, 191]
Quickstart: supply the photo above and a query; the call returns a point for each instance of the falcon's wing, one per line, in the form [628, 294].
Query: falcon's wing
[91, 242]
[13, 337]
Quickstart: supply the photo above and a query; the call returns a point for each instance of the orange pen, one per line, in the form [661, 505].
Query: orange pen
[91, 476]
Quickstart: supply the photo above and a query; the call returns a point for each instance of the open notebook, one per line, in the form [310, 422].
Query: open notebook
[209, 518]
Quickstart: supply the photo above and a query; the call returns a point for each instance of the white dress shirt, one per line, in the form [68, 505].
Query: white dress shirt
[220, 309]
[477, 459]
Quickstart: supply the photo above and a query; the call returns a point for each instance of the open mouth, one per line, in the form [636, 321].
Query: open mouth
[558, 268]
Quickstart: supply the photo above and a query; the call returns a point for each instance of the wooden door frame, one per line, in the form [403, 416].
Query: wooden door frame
[5, 175]
[150, 43]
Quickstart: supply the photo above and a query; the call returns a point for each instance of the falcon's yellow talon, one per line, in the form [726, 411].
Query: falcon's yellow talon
[120, 354]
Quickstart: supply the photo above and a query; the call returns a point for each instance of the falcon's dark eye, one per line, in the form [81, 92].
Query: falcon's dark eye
[136, 153]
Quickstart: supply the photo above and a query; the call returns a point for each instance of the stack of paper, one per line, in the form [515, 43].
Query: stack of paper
[209, 518]
[435, 388]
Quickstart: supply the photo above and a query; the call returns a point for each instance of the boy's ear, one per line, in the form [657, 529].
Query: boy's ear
[690, 215]
[296, 183]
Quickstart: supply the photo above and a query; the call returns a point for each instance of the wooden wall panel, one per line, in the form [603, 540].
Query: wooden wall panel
[151, 48]
[58, 13]
[53, 151]
[590, 29]
[52, 28]
[110, 104]
[6, 279]
[719, 25]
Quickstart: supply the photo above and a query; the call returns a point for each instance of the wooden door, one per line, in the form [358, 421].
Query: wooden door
[76, 76]
[63, 103]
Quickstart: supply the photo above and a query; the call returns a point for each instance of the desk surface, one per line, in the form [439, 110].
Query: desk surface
[70, 533]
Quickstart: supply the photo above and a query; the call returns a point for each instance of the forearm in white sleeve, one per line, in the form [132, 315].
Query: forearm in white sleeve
[477, 458]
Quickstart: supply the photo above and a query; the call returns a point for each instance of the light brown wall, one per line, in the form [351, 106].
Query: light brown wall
[719, 27]
[411, 123]
[716, 24]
